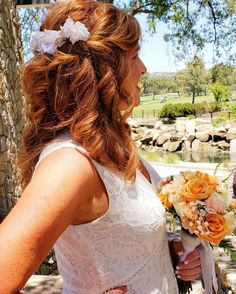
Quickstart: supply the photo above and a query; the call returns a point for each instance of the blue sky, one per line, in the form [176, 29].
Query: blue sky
[157, 54]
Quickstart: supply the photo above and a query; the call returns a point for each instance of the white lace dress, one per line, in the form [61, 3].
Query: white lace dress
[126, 246]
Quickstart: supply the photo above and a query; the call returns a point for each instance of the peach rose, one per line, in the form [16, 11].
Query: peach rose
[189, 225]
[164, 200]
[189, 213]
[216, 229]
[196, 189]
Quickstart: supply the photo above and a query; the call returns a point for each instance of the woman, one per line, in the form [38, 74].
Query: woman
[86, 190]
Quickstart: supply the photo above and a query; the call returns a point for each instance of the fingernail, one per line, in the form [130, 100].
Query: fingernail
[177, 267]
[180, 253]
[178, 276]
[185, 262]
[176, 272]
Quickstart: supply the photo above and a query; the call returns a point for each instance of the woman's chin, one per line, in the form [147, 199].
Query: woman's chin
[137, 102]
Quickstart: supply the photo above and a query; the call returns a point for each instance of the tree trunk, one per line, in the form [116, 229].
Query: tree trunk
[193, 97]
[12, 105]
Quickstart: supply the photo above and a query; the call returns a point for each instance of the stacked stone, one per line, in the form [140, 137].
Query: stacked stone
[49, 266]
[12, 105]
[189, 136]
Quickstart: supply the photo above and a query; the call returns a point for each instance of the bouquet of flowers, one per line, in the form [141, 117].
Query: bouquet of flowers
[206, 213]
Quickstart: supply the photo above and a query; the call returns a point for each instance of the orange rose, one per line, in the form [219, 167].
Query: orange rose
[196, 189]
[216, 228]
[211, 180]
[164, 200]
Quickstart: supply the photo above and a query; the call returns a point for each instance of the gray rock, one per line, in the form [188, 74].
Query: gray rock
[168, 128]
[163, 138]
[228, 126]
[133, 122]
[222, 145]
[45, 270]
[190, 126]
[203, 136]
[156, 135]
[220, 129]
[218, 136]
[207, 148]
[140, 130]
[173, 146]
[229, 137]
[197, 146]
[176, 137]
[180, 127]
[232, 131]
[204, 127]
[147, 136]
[196, 156]
[186, 146]
[158, 124]
[136, 137]
[232, 148]
[138, 144]
[165, 146]
[191, 137]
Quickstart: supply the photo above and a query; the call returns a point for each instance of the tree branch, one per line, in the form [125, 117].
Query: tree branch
[214, 18]
[139, 8]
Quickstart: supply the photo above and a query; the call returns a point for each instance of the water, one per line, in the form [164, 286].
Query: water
[224, 158]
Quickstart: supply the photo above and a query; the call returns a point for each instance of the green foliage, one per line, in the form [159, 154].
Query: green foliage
[224, 74]
[192, 24]
[229, 249]
[193, 79]
[151, 85]
[221, 93]
[233, 109]
[214, 106]
[171, 111]
[196, 77]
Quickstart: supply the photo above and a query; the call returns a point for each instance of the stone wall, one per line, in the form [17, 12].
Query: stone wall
[12, 105]
[189, 136]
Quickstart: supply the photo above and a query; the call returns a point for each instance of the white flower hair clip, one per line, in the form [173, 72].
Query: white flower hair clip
[49, 40]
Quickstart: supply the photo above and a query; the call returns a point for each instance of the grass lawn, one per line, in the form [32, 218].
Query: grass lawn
[150, 107]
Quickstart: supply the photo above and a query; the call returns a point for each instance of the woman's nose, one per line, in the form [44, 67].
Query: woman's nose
[143, 68]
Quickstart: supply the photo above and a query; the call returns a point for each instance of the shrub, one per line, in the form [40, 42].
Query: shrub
[233, 109]
[171, 111]
[214, 106]
[220, 92]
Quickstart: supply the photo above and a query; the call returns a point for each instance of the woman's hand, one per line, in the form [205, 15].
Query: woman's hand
[190, 269]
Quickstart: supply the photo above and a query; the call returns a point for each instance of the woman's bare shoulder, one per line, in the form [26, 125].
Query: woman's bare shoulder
[62, 182]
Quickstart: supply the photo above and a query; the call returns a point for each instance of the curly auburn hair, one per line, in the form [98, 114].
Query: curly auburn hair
[79, 88]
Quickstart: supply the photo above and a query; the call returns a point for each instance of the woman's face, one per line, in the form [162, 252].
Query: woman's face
[136, 70]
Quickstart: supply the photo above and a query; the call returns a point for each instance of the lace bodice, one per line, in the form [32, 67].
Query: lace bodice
[126, 246]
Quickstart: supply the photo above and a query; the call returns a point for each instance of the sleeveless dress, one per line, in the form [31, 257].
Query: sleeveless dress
[127, 245]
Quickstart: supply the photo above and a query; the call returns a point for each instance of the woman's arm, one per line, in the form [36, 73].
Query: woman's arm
[62, 183]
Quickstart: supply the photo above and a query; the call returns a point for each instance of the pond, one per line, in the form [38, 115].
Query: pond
[224, 158]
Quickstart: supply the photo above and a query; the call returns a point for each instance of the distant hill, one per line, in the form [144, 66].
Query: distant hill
[164, 74]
